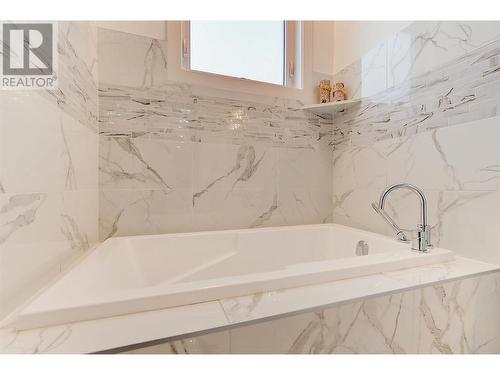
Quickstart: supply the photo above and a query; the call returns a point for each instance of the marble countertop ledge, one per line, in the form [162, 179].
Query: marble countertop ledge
[133, 330]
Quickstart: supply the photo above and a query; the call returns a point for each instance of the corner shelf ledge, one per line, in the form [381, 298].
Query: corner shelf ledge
[328, 109]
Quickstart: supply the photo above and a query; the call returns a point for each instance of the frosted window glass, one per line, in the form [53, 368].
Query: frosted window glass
[244, 49]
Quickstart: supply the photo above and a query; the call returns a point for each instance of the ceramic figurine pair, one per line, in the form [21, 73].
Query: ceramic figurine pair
[325, 89]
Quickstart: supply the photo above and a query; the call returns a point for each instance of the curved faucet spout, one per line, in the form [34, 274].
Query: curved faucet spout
[422, 240]
[416, 190]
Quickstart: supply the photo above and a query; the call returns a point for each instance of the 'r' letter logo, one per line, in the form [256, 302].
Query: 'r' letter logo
[27, 49]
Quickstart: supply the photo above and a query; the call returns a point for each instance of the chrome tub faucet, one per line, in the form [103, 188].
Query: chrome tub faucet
[422, 240]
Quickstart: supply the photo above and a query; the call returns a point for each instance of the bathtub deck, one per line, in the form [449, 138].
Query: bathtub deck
[155, 272]
[122, 331]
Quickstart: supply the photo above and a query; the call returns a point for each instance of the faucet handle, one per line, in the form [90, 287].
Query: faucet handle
[421, 238]
[401, 237]
[428, 237]
[400, 234]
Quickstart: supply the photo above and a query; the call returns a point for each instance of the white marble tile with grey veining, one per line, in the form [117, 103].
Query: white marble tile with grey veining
[449, 317]
[62, 156]
[137, 99]
[464, 221]
[49, 171]
[76, 92]
[41, 233]
[458, 90]
[459, 317]
[175, 112]
[452, 317]
[131, 60]
[143, 163]
[286, 301]
[379, 304]
[111, 333]
[127, 212]
[425, 45]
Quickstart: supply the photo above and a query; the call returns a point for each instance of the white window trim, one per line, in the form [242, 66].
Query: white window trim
[293, 77]
[208, 82]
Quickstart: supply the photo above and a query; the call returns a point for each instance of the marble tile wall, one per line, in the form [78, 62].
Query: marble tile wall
[431, 120]
[421, 47]
[461, 90]
[178, 158]
[459, 317]
[163, 156]
[48, 170]
[428, 117]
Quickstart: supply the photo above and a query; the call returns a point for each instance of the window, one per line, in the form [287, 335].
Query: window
[262, 51]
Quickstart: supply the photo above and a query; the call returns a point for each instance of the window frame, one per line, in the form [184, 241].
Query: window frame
[293, 59]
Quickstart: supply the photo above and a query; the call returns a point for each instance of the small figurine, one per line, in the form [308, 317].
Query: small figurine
[339, 93]
[324, 90]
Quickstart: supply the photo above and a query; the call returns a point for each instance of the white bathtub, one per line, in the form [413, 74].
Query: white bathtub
[133, 274]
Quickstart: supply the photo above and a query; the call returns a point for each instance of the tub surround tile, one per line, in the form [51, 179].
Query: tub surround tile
[374, 73]
[140, 163]
[423, 46]
[237, 162]
[434, 126]
[285, 301]
[343, 177]
[76, 94]
[104, 334]
[461, 187]
[82, 37]
[312, 297]
[133, 212]
[445, 318]
[63, 154]
[239, 208]
[282, 335]
[48, 170]
[353, 208]
[478, 213]
[452, 317]
[238, 184]
[175, 111]
[62, 225]
[137, 99]
[382, 326]
[143, 61]
[41, 233]
[436, 273]
[228, 168]
[303, 206]
[161, 139]
[459, 317]
[298, 168]
[235, 186]
[436, 160]
[327, 318]
[366, 76]
[457, 92]
[246, 160]
[449, 212]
